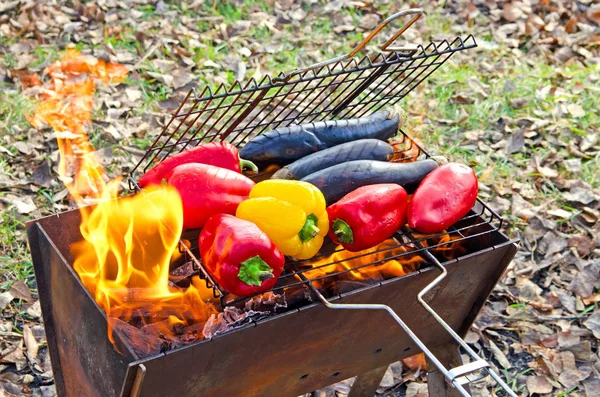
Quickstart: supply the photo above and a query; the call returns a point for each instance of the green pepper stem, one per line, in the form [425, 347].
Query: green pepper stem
[310, 229]
[248, 164]
[254, 271]
[343, 231]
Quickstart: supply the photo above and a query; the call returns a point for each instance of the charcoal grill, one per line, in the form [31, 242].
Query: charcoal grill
[307, 345]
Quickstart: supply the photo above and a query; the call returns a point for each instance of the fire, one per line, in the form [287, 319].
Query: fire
[127, 246]
[406, 150]
[448, 246]
[387, 260]
[392, 260]
[66, 106]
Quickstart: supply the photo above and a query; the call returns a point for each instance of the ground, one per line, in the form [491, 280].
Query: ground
[522, 109]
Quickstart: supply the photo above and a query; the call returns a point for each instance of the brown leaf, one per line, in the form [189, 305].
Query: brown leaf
[415, 362]
[370, 21]
[15, 356]
[539, 385]
[511, 13]
[41, 175]
[582, 243]
[570, 376]
[593, 323]
[476, 85]
[592, 386]
[593, 14]
[20, 290]
[343, 28]
[23, 147]
[499, 355]
[30, 343]
[5, 299]
[517, 103]
[516, 142]
[580, 195]
[35, 310]
[462, 99]
[571, 26]
[534, 24]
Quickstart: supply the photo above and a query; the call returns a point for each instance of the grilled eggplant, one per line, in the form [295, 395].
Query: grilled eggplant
[285, 145]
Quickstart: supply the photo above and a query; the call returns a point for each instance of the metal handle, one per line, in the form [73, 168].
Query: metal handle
[417, 12]
[458, 376]
[138, 380]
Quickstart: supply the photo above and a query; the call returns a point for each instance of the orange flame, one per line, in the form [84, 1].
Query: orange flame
[385, 261]
[358, 264]
[123, 259]
[66, 106]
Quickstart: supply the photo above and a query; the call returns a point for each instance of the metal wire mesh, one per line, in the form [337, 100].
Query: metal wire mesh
[404, 246]
[346, 89]
[349, 88]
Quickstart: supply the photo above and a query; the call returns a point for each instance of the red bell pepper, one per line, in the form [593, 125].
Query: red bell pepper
[367, 216]
[239, 256]
[219, 154]
[207, 190]
[445, 195]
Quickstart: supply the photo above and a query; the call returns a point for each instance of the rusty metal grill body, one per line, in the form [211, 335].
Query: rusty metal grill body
[306, 346]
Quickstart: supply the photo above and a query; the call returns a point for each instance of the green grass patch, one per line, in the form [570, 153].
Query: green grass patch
[13, 107]
[15, 262]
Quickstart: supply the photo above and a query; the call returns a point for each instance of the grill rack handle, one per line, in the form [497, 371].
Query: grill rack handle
[387, 46]
[459, 376]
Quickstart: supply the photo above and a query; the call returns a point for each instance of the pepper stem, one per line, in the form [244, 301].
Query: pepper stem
[310, 229]
[254, 271]
[343, 231]
[248, 164]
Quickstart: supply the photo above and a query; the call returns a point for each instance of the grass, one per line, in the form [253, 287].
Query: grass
[13, 107]
[566, 392]
[512, 382]
[14, 255]
[488, 109]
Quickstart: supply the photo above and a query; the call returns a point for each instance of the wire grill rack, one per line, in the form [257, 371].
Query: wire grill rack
[348, 86]
[406, 244]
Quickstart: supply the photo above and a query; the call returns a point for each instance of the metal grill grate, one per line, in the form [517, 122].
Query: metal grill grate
[344, 89]
[407, 244]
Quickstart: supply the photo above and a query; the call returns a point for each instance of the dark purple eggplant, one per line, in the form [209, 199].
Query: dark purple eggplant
[362, 149]
[337, 181]
[285, 145]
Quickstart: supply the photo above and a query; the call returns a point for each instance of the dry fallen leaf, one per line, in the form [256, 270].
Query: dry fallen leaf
[35, 310]
[499, 355]
[593, 323]
[5, 299]
[539, 385]
[570, 376]
[19, 290]
[575, 110]
[547, 172]
[30, 343]
[415, 362]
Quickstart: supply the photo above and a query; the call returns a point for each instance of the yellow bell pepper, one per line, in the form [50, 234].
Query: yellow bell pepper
[291, 213]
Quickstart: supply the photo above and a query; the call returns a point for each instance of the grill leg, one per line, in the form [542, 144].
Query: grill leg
[436, 383]
[366, 384]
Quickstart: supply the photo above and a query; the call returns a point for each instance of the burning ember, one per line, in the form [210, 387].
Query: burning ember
[123, 259]
[358, 265]
[388, 260]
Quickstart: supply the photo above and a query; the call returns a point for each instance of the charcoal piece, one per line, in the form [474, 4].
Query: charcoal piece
[142, 344]
[182, 275]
